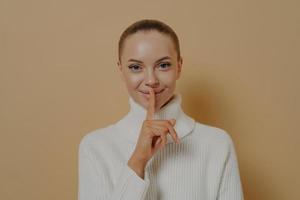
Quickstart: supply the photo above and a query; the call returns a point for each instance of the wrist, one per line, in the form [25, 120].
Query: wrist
[137, 164]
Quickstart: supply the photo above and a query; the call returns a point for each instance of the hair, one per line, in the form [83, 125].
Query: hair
[148, 25]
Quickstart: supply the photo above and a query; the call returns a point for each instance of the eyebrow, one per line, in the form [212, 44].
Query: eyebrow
[163, 58]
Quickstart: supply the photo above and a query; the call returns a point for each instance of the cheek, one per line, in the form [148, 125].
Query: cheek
[168, 78]
[133, 80]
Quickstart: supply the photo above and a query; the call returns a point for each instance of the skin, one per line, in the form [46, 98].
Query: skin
[143, 71]
[146, 48]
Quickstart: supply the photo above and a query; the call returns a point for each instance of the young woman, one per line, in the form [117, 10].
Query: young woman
[156, 151]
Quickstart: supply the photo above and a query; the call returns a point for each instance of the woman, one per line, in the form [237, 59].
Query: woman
[156, 151]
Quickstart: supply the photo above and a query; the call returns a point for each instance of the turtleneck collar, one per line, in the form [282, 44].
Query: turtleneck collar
[130, 125]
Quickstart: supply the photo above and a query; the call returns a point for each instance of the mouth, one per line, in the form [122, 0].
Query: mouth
[155, 92]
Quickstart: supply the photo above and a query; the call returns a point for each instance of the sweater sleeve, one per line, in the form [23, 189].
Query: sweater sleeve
[230, 186]
[95, 183]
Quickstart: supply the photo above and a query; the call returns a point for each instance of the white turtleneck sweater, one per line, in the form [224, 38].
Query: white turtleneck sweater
[202, 167]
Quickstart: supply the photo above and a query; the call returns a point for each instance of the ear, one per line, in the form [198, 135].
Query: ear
[120, 70]
[179, 67]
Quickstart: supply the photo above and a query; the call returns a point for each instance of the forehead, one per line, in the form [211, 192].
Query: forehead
[147, 46]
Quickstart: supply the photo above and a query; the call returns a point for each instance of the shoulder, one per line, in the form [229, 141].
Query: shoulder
[97, 138]
[212, 135]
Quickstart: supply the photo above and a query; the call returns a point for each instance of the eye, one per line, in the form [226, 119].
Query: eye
[165, 65]
[135, 68]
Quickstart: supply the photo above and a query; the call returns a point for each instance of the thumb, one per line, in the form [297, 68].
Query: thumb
[157, 144]
[158, 141]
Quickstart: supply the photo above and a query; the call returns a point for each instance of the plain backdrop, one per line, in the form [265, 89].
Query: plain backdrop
[59, 81]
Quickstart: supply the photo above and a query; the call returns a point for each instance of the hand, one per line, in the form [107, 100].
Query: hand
[153, 136]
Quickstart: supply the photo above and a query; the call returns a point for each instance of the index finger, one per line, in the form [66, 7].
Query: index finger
[151, 105]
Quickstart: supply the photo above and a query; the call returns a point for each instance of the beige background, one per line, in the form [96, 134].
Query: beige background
[59, 80]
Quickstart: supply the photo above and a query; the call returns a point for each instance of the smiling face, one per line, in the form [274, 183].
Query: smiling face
[149, 59]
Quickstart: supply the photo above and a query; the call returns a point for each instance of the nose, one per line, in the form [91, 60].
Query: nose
[151, 79]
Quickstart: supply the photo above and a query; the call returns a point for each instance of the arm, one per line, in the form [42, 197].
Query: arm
[96, 184]
[230, 186]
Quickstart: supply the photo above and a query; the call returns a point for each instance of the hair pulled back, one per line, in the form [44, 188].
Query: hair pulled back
[148, 25]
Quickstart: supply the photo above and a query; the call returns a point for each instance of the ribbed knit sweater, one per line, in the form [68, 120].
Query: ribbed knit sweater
[202, 167]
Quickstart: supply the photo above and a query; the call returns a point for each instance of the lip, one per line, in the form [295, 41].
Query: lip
[148, 94]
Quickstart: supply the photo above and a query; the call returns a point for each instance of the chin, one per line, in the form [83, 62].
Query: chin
[166, 100]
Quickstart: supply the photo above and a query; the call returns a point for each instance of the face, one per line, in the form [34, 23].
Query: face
[149, 59]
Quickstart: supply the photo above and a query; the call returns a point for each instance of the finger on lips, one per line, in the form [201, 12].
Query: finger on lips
[151, 105]
[169, 125]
